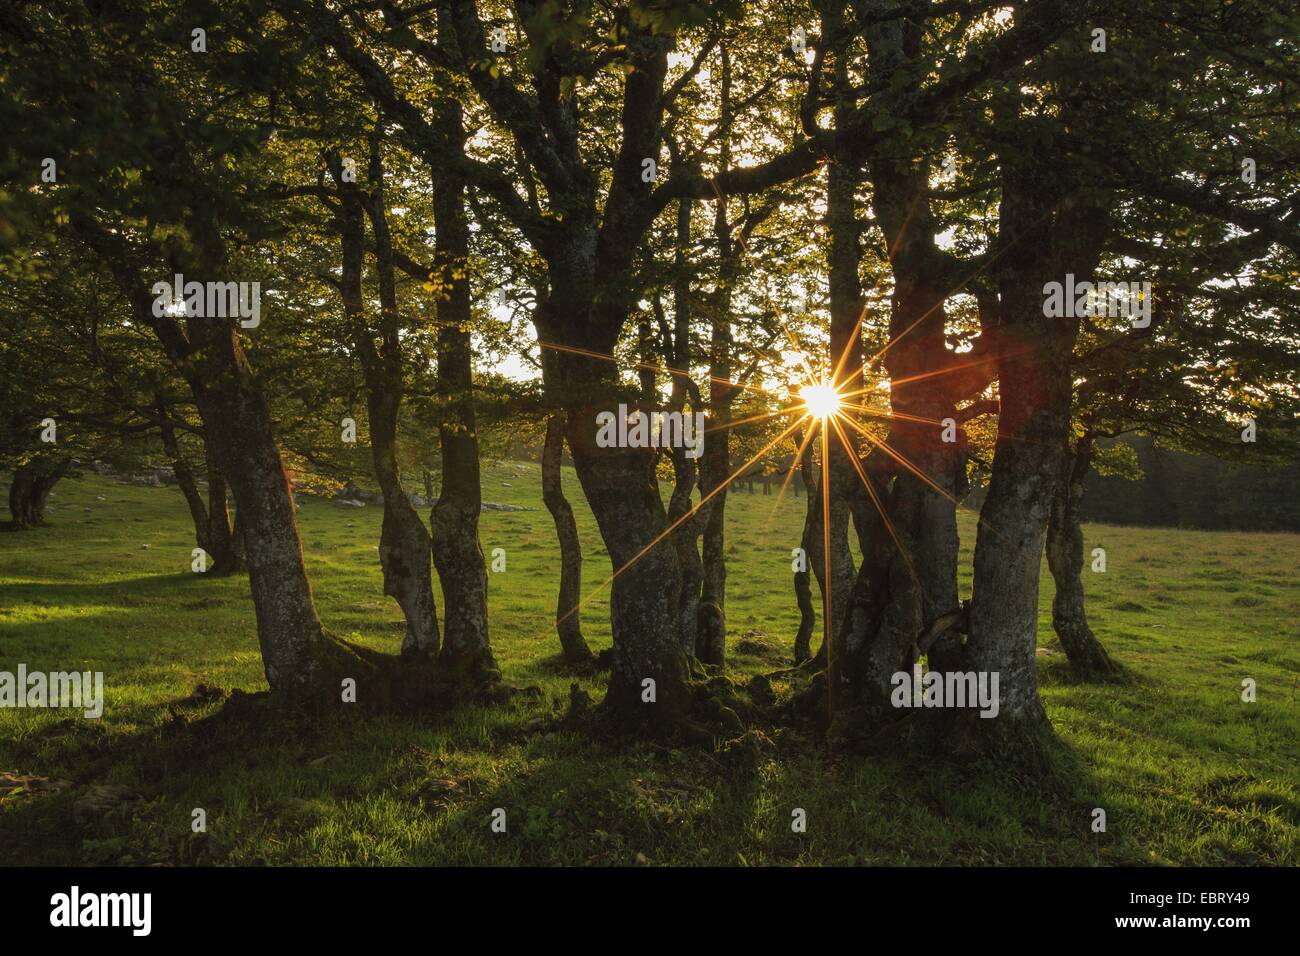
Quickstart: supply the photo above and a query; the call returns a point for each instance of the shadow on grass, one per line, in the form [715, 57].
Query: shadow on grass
[569, 794]
[121, 592]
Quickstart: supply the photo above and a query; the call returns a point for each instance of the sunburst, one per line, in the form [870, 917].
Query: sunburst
[833, 405]
[821, 400]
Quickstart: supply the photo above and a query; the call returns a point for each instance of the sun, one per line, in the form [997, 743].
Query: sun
[820, 400]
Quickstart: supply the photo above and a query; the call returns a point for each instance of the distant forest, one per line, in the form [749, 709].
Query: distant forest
[1196, 491]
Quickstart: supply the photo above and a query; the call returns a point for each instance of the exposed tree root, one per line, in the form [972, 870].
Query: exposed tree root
[718, 708]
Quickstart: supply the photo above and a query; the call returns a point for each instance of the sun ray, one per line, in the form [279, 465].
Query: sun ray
[848, 348]
[875, 500]
[828, 630]
[891, 416]
[795, 463]
[733, 422]
[897, 456]
[672, 527]
[901, 459]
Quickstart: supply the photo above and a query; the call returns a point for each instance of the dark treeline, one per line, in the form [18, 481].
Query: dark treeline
[1182, 490]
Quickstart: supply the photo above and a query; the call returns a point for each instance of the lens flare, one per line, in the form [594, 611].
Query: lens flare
[820, 400]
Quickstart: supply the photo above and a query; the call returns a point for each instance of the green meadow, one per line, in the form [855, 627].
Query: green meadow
[1186, 772]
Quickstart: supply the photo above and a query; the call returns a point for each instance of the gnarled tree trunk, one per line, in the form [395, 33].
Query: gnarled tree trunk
[301, 662]
[685, 536]
[298, 658]
[1013, 521]
[29, 491]
[691, 612]
[811, 530]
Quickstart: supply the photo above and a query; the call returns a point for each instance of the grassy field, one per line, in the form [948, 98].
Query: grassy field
[1186, 772]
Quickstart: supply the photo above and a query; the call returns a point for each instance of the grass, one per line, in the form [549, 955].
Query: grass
[1186, 772]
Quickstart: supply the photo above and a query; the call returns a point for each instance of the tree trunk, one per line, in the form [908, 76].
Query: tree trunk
[906, 516]
[711, 629]
[404, 545]
[691, 613]
[211, 521]
[300, 661]
[567, 624]
[1047, 238]
[691, 569]
[622, 491]
[835, 592]
[298, 658]
[715, 466]
[844, 372]
[811, 529]
[184, 475]
[29, 492]
[224, 545]
[454, 520]
[1013, 521]
[1085, 653]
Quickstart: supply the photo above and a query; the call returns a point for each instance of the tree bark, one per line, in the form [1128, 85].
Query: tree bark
[567, 624]
[29, 491]
[1085, 653]
[454, 520]
[1044, 236]
[1013, 521]
[621, 488]
[298, 658]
